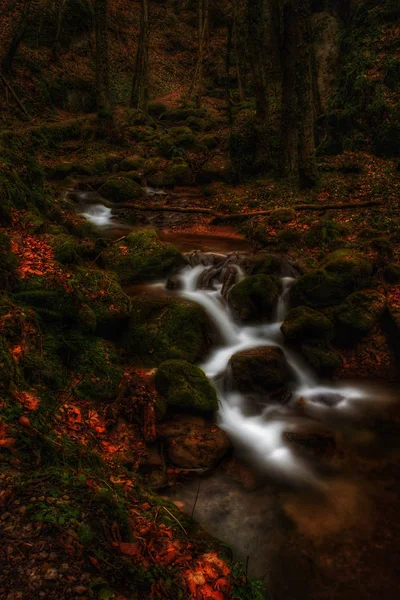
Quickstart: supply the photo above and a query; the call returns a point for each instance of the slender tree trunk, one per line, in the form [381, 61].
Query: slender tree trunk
[307, 160]
[297, 155]
[104, 108]
[60, 12]
[197, 78]
[257, 32]
[140, 85]
[18, 36]
[289, 156]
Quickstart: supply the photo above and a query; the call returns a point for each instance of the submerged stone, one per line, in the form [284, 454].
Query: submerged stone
[254, 298]
[185, 386]
[142, 256]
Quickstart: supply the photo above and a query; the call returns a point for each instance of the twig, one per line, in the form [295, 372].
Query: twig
[197, 497]
[175, 519]
[18, 101]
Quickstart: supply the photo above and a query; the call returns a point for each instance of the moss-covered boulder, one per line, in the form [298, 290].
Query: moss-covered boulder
[185, 386]
[118, 189]
[209, 141]
[352, 268]
[341, 273]
[141, 256]
[64, 170]
[132, 163]
[103, 303]
[163, 329]
[98, 371]
[325, 233]
[154, 165]
[254, 299]
[281, 216]
[265, 264]
[322, 358]
[176, 139]
[156, 109]
[200, 124]
[217, 168]
[258, 370]
[359, 312]
[176, 172]
[66, 249]
[304, 323]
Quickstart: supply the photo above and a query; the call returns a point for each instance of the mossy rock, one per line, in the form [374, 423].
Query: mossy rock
[352, 268]
[101, 296]
[343, 272]
[324, 232]
[217, 168]
[141, 133]
[258, 370]
[181, 114]
[67, 250]
[119, 188]
[156, 109]
[141, 256]
[265, 264]
[99, 371]
[134, 175]
[199, 124]
[254, 299]
[175, 140]
[176, 173]
[288, 237]
[359, 313]
[154, 165]
[163, 329]
[64, 170]
[46, 365]
[132, 163]
[185, 386]
[136, 116]
[304, 323]
[323, 359]
[383, 248]
[209, 141]
[391, 274]
[282, 216]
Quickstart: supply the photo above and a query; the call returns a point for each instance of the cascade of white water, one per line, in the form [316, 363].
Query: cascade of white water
[260, 434]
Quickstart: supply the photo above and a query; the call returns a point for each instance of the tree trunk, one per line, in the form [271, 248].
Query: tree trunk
[289, 157]
[60, 12]
[18, 36]
[104, 108]
[306, 105]
[297, 151]
[258, 19]
[140, 85]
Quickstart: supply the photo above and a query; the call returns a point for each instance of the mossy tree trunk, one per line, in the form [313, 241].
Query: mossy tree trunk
[60, 5]
[104, 107]
[203, 32]
[140, 85]
[297, 151]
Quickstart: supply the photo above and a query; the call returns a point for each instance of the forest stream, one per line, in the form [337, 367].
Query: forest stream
[307, 501]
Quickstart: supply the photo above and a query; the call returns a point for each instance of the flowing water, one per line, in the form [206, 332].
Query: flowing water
[311, 529]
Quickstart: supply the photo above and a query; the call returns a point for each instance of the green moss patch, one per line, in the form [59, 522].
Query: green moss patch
[142, 256]
[98, 370]
[185, 386]
[359, 313]
[163, 328]
[304, 323]
[118, 189]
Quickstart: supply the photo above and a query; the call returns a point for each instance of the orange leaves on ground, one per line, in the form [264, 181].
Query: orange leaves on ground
[28, 400]
[95, 422]
[129, 549]
[208, 580]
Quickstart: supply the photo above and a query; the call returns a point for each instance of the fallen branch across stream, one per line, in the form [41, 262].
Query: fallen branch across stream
[222, 217]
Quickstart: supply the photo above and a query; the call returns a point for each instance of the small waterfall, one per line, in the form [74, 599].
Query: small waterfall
[98, 215]
[260, 435]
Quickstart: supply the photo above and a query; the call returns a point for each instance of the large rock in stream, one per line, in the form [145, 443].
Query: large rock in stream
[258, 370]
[254, 299]
[193, 443]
